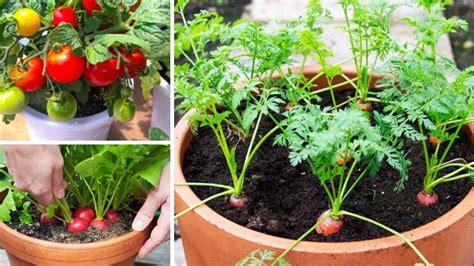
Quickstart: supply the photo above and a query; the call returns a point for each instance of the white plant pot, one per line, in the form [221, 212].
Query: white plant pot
[160, 116]
[41, 127]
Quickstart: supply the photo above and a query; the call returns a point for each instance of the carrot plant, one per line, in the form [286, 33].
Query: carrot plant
[428, 91]
[323, 139]
[230, 89]
[341, 148]
[368, 25]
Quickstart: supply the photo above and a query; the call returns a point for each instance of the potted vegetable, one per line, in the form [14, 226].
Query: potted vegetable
[92, 224]
[240, 199]
[68, 66]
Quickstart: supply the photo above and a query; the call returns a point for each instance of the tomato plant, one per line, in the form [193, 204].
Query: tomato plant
[12, 100]
[62, 108]
[91, 6]
[29, 77]
[64, 15]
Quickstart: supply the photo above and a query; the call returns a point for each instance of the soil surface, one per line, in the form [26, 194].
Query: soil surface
[59, 232]
[285, 201]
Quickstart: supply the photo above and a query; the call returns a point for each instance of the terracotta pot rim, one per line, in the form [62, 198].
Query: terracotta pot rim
[65, 246]
[183, 134]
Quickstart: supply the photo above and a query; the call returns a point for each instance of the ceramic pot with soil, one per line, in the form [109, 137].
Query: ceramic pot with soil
[121, 250]
[278, 163]
[217, 233]
[92, 224]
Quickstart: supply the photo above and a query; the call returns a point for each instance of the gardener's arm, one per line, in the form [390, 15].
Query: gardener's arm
[38, 170]
[158, 198]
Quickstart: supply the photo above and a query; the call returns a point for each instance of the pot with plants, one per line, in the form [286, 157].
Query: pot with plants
[91, 225]
[323, 165]
[68, 66]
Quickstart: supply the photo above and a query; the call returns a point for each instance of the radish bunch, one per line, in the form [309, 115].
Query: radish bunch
[82, 219]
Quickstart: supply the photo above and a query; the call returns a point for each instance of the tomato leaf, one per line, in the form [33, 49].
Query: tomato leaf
[65, 33]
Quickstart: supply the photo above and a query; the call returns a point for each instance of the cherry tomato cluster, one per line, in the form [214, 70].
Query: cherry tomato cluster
[61, 65]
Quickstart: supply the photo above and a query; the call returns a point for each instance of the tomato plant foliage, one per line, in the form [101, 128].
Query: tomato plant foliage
[96, 36]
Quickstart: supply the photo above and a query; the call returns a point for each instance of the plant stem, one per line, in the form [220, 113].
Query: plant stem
[204, 185]
[228, 192]
[408, 242]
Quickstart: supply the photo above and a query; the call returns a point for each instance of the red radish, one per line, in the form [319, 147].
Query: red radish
[341, 161]
[44, 219]
[100, 224]
[367, 107]
[238, 201]
[77, 225]
[85, 213]
[433, 140]
[111, 215]
[426, 199]
[330, 225]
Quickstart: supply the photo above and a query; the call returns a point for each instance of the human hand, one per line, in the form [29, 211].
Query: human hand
[157, 198]
[38, 170]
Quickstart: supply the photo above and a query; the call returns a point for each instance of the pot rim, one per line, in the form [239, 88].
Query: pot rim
[183, 136]
[86, 123]
[5, 229]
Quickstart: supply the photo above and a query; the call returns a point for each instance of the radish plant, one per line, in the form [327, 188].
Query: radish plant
[428, 91]
[102, 181]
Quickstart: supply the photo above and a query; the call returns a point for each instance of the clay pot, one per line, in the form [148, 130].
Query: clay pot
[23, 250]
[210, 239]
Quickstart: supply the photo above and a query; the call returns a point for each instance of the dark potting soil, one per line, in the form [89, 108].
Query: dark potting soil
[285, 201]
[59, 232]
[95, 104]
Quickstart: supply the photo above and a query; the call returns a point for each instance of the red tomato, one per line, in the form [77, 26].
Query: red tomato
[66, 15]
[91, 6]
[103, 74]
[137, 63]
[63, 66]
[32, 78]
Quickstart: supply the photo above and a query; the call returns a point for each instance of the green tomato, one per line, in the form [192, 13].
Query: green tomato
[62, 108]
[12, 100]
[124, 110]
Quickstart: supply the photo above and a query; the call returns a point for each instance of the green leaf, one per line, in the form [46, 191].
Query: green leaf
[99, 50]
[65, 33]
[157, 134]
[25, 217]
[7, 206]
[152, 172]
[150, 80]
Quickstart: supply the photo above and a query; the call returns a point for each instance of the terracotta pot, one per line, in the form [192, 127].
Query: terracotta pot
[23, 250]
[210, 239]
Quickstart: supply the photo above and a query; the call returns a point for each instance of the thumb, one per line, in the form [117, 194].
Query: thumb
[58, 183]
[147, 212]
